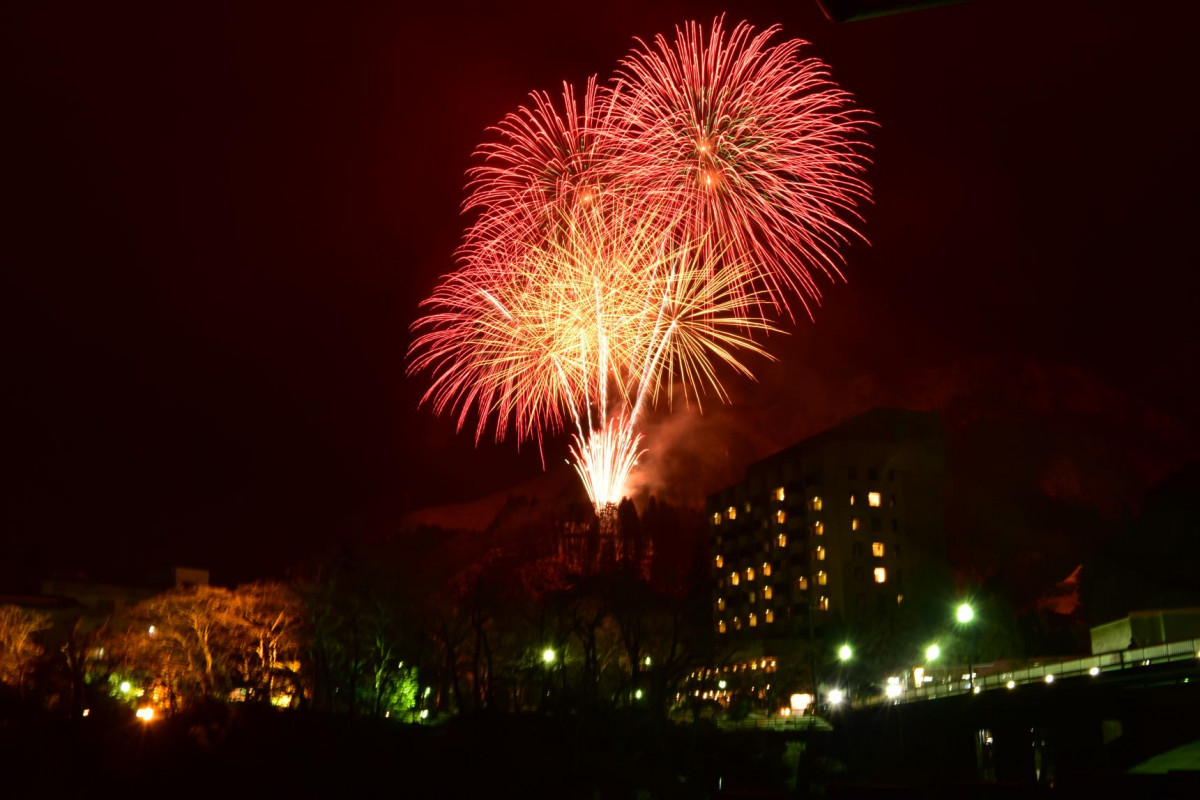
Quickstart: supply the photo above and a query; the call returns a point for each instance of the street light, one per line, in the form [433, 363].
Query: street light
[548, 655]
[844, 653]
[932, 652]
[964, 614]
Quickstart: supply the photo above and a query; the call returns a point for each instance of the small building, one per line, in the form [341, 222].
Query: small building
[1145, 628]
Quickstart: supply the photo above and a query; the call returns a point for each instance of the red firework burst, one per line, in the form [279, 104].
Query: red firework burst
[757, 147]
[544, 166]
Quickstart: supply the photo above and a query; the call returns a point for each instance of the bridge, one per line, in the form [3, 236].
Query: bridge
[1078, 726]
[1130, 663]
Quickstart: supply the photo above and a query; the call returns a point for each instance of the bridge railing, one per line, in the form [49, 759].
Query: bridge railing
[1045, 671]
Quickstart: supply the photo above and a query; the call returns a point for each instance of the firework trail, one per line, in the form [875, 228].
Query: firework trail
[628, 241]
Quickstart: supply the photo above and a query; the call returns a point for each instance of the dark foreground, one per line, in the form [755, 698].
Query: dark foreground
[243, 751]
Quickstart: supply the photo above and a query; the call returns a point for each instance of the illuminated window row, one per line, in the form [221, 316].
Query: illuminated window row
[768, 593]
[765, 664]
[751, 621]
[874, 499]
[736, 577]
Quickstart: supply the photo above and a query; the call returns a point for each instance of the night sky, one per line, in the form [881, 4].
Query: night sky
[221, 217]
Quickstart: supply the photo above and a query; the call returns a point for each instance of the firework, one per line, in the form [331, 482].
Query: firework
[585, 331]
[630, 240]
[544, 165]
[754, 144]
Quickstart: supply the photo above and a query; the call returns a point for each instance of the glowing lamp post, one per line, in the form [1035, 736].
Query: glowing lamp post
[965, 614]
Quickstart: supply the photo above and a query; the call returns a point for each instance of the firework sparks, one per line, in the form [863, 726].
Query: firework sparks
[584, 334]
[629, 241]
[761, 152]
[544, 166]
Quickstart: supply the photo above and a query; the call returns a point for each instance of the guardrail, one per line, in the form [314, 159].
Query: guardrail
[1044, 671]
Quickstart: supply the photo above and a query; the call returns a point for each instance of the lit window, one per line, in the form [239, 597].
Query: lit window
[749, 573]
[753, 597]
[877, 549]
[779, 494]
[781, 516]
[737, 623]
[769, 616]
[753, 620]
[766, 568]
[731, 512]
[880, 575]
[720, 561]
[822, 604]
[818, 528]
[899, 599]
[781, 540]
[720, 604]
[734, 578]
[721, 626]
[874, 499]
[854, 523]
[822, 577]
[746, 506]
[853, 498]
[802, 583]
[768, 593]
[717, 518]
[816, 503]
[819, 554]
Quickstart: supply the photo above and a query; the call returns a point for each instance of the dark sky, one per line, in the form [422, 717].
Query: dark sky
[221, 217]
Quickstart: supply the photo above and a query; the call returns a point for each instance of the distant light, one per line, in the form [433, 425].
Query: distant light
[87, 712]
[836, 696]
[977, 690]
[152, 630]
[932, 652]
[1011, 684]
[964, 613]
[1050, 678]
[126, 687]
[647, 662]
[844, 652]
[145, 713]
[1094, 671]
[893, 690]
[785, 712]
[638, 694]
[721, 684]
[548, 656]
[424, 713]
[427, 690]
[387, 714]
[799, 702]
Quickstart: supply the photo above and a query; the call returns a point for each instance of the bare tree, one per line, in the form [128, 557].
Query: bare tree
[19, 648]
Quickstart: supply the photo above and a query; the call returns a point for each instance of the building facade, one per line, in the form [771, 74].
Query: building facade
[844, 522]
